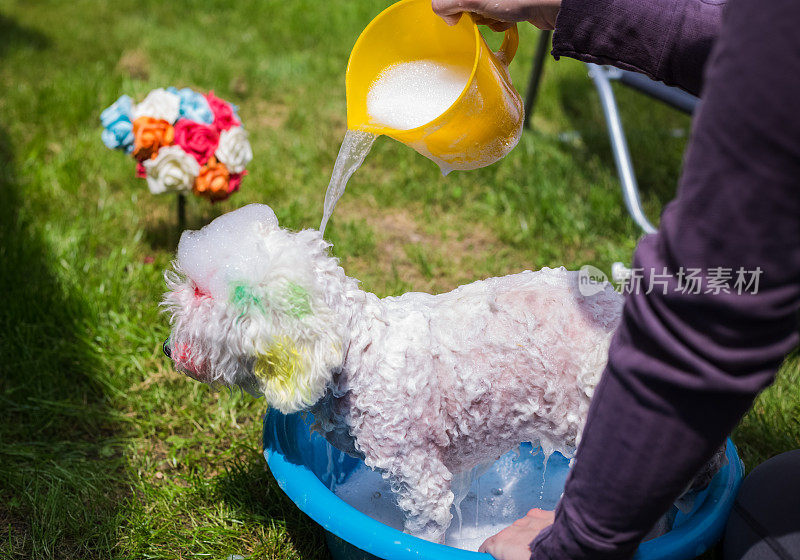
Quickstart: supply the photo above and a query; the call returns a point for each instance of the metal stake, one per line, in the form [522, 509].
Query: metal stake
[181, 212]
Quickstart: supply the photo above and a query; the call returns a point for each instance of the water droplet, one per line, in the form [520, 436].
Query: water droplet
[376, 495]
[497, 491]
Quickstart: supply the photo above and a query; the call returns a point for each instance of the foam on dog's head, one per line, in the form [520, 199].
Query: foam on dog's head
[227, 250]
[248, 308]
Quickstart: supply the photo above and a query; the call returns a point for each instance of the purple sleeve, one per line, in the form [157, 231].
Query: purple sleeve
[668, 40]
[684, 368]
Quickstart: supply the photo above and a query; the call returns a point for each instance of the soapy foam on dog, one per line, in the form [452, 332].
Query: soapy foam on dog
[411, 94]
[496, 495]
[227, 250]
[404, 96]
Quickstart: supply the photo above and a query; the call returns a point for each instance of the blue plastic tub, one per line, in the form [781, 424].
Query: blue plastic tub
[301, 462]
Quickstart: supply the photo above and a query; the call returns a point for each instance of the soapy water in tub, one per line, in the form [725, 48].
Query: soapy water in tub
[488, 498]
[403, 96]
[492, 496]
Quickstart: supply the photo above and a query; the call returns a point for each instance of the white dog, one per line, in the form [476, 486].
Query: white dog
[422, 387]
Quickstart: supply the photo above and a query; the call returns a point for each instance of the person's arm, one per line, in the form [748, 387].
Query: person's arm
[684, 368]
[668, 40]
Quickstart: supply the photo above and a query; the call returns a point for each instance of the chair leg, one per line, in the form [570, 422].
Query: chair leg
[536, 74]
[622, 157]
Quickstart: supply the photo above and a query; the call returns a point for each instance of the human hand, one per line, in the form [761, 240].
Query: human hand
[500, 15]
[514, 542]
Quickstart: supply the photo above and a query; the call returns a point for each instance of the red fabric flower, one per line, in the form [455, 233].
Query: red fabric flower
[235, 181]
[224, 117]
[141, 172]
[197, 139]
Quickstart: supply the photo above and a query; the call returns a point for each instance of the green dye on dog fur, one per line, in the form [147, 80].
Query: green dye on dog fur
[243, 297]
[299, 301]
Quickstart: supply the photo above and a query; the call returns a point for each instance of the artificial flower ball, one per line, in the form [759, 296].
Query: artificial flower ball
[176, 137]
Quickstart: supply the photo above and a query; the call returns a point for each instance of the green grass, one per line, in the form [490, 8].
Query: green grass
[105, 452]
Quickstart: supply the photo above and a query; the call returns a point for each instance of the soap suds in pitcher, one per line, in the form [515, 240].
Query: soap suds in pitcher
[411, 94]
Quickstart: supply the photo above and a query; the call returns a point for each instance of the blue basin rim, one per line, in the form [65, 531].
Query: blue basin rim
[303, 487]
[706, 525]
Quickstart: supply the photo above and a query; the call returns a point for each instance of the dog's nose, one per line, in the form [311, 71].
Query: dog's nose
[167, 349]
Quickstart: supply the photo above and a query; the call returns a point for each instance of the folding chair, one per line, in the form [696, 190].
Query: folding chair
[602, 76]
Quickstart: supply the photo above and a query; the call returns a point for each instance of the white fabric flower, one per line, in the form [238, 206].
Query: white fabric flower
[172, 170]
[159, 104]
[234, 150]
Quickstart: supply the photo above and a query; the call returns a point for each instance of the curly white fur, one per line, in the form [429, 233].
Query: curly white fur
[421, 386]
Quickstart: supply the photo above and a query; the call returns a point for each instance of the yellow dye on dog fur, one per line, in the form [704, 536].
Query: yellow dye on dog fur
[279, 367]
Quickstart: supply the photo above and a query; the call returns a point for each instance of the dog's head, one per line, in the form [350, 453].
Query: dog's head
[248, 308]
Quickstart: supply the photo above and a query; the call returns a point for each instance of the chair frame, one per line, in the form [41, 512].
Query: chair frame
[602, 76]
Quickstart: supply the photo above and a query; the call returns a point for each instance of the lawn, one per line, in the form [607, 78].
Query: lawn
[105, 451]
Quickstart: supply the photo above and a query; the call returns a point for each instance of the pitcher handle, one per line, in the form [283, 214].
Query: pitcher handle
[509, 47]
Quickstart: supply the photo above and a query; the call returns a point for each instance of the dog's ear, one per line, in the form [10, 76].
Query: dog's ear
[291, 334]
[295, 366]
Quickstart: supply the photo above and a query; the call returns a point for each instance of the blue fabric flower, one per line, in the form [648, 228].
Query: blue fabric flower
[116, 120]
[193, 105]
[119, 136]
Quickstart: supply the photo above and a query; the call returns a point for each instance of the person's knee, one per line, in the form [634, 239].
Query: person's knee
[765, 521]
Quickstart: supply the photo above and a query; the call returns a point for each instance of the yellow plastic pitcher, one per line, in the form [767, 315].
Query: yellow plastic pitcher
[482, 125]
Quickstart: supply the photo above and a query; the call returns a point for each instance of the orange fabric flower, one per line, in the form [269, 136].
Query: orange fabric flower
[149, 135]
[212, 182]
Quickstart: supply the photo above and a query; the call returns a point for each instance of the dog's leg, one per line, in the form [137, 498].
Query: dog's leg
[421, 483]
